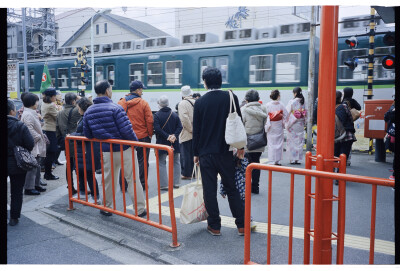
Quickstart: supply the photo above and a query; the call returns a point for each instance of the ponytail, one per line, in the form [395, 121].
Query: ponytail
[299, 94]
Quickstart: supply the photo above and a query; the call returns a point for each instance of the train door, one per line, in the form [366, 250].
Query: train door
[219, 62]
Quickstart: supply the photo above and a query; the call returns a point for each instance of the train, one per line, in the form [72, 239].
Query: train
[262, 59]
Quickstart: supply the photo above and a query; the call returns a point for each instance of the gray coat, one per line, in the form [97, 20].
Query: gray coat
[254, 116]
[31, 120]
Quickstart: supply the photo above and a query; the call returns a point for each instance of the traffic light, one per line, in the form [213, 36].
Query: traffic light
[388, 39]
[388, 62]
[85, 68]
[352, 42]
[351, 63]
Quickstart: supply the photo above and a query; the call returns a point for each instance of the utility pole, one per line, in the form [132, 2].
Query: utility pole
[92, 53]
[311, 75]
[26, 75]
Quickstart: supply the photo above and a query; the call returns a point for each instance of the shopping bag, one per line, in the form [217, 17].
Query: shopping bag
[193, 208]
[235, 133]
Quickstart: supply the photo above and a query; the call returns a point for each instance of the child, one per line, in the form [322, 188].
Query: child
[240, 181]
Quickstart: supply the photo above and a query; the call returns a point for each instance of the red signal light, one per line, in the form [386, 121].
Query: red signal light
[388, 62]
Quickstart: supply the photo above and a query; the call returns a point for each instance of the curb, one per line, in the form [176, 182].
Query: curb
[120, 240]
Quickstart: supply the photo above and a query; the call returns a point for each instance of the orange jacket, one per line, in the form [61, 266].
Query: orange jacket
[139, 113]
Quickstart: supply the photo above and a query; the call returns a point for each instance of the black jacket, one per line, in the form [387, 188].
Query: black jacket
[345, 117]
[88, 150]
[209, 120]
[173, 126]
[18, 135]
[390, 117]
[353, 103]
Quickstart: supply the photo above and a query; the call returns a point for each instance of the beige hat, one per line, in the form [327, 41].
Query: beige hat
[186, 91]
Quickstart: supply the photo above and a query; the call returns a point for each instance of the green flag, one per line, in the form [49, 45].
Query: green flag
[46, 79]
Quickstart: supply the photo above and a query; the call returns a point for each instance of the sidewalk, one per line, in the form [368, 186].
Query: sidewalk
[199, 247]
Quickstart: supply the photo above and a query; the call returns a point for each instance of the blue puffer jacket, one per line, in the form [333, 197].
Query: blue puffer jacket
[106, 120]
[173, 126]
[88, 150]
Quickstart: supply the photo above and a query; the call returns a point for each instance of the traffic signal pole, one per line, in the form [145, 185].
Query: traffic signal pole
[322, 250]
[371, 64]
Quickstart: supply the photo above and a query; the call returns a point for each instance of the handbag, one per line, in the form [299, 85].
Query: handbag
[276, 115]
[340, 132]
[25, 159]
[355, 114]
[193, 209]
[258, 140]
[61, 138]
[235, 133]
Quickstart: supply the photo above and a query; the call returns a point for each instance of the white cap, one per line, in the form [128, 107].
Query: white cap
[163, 101]
[186, 91]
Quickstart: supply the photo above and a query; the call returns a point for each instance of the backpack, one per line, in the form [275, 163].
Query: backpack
[340, 132]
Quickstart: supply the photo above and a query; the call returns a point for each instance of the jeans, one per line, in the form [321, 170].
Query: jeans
[187, 158]
[343, 147]
[32, 178]
[162, 166]
[17, 182]
[141, 159]
[89, 181]
[254, 157]
[210, 166]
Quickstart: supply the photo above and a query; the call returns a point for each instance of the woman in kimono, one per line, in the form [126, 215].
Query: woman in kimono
[277, 115]
[295, 126]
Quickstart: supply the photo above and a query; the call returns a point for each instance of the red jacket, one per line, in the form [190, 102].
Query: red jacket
[139, 113]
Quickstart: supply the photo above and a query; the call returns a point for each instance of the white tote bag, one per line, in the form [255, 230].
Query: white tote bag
[235, 133]
[193, 208]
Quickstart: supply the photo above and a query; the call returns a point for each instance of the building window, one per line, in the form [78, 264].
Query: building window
[52, 73]
[99, 73]
[287, 68]
[126, 45]
[380, 73]
[204, 63]
[111, 75]
[136, 72]
[154, 74]
[359, 73]
[9, 42]
[260, 69]
[173, 72]
[105, 28]
[62, 78]
[97, 29]
[75, 77]
[221, 63]
[116, 46]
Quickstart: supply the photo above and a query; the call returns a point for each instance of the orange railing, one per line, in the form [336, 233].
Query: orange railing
[308, 232]
[81, 140]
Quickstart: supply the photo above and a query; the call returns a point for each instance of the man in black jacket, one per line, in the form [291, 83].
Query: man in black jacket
[212, 152]
[18, 135]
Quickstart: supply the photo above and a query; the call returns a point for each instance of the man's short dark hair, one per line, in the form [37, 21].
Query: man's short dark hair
[10, 106]
[84, 103]
[101, 87]
[70, 97]
[338, 97]
[213, 78]
[29, 99]
[23, 95]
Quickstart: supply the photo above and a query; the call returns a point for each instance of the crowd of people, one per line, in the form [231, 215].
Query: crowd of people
[196, 133]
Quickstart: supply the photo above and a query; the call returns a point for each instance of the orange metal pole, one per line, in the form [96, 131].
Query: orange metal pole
[158, 185]
[123, 177]
[291, 218]
[102, 174]
[307, 210]
[373, 218]
[69, 177]
[318, 214]
[326, 120]
[93, 174]
[247, 212]
[146, 185]
[134, 178]
[171, 198]
[341, 211]
[112, 176]
[269, 216]
[84, 169]
[76, 169]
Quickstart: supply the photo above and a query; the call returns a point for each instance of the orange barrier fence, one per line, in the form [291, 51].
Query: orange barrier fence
[75, 140]
[315, 233]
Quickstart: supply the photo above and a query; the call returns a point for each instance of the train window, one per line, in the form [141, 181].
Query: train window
[204, 63]
[173, 72]
[136, 72]
[154, 74]
[31, 79]
[380, 73]
[260, 70]
[99, 73]
[221, 63]
[345, 74]
[111, 75]
[52, 73]
[63, 78]
[75, 76]
[126, 45]
[287, 68]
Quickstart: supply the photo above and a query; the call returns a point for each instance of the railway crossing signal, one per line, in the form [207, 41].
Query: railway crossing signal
[352, 42]
[82, 61]
[351, 63]
[388, 39]
[388, 62]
